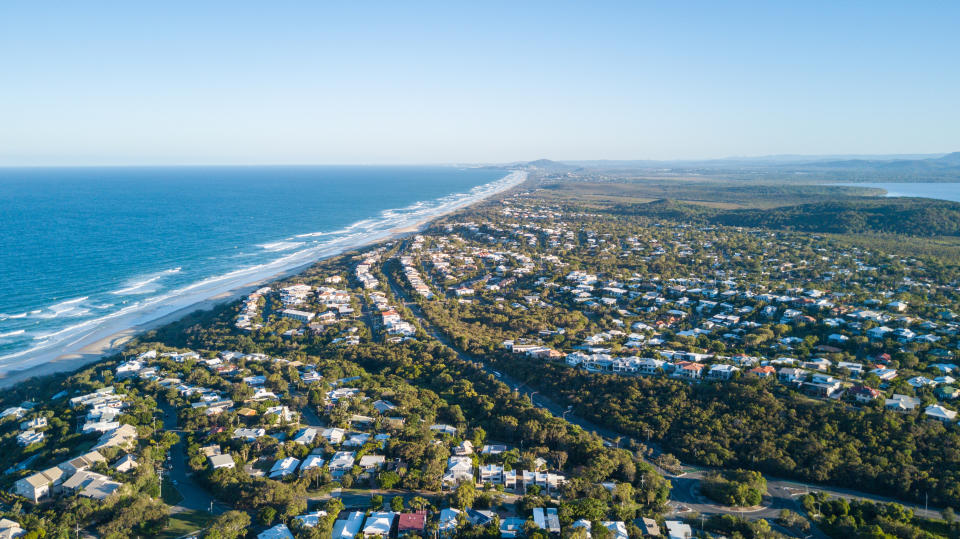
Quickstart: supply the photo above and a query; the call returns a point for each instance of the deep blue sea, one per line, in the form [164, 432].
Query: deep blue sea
[82, 249]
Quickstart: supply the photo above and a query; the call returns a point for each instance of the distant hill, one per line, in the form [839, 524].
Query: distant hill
[949, 162]
[908, 216]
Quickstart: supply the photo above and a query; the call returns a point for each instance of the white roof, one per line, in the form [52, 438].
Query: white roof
[280, 531]
[379, 523]
[349, 527]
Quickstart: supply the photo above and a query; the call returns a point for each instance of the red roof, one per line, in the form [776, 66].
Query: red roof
[412, 521]
[690, 366]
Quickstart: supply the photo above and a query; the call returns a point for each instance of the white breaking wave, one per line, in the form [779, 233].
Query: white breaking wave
[148, 309]
[12, 333]
[281, 245]
[66, 305]
[140, 287]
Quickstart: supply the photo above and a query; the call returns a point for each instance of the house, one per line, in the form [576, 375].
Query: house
[510, 479]
[29, 437]
[817, 364]
[854, 368]
[302, 316]
[480, 517]
[511, 527]
[383, 406]
[921, 381]
[618, 528]
[126, 463]
[35, 423]
[722, 371]
[493, 449]
[39, 485]
[283, 412]
[822, 385]
[306, 436]
[341, 463]
[333, 436]
[413, 523]
[348, 528]
[764, 371]
[311, 461]
[310, 520]
[83, 462]
[90, 485]
[947, 392]
[649, 527]
[444, 429]
[458, 469]
[491, 473]
[10, 529]
[280, 531]
[678, 530]
[123, 437]
[284, 467]
[901, 403]
[379, 524]
[863, 394]
[897, 306]
[356, 439]
[546, 519]
[248, 435]
[790, 375]
[884, 373]
[221, 461]
[878, 333]
[371, 462]
[688, 370]
[585, 524]
[465, 448]
[448, 522]
[935, 411]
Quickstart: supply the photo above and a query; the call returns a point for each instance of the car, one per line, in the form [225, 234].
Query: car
[497, 374]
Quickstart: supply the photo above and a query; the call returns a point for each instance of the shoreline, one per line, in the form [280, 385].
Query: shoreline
[112, 340]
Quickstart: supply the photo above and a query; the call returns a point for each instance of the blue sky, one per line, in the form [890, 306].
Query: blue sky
[434, 82]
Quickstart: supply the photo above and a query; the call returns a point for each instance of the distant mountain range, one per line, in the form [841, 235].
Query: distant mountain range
[949, 161]
[909, 168]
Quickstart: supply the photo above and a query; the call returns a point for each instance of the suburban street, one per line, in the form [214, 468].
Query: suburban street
[195, 497]
[685, 496]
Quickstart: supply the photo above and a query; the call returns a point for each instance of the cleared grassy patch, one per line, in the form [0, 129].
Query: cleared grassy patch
[185, 523]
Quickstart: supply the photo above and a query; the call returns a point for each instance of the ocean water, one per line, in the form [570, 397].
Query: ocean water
[89, 251]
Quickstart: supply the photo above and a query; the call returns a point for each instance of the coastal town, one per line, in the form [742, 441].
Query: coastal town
[439, 385]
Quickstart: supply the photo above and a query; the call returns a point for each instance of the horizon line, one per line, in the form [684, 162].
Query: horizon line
[481, 163]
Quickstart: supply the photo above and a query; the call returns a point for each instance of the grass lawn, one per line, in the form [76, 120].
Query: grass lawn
[171, 496]
[185, 523]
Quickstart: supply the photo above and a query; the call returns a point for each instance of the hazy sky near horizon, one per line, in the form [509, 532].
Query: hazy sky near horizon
[237, 82]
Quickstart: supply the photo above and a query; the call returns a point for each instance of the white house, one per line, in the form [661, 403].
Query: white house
[935, 411]
[284, 467]
[222, 461]
[458, 469]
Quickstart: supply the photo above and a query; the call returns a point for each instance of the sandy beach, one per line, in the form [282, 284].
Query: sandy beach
[106, 342]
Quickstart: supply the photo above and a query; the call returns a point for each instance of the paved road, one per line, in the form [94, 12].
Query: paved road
[782, 494]
[195, 497]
